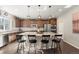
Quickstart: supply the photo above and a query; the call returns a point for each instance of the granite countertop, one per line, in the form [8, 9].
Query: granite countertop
[36, 33]
[8, 32]
[17, 30]
[13, 32]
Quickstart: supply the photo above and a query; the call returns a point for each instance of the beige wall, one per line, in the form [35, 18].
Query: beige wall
[12, 21]
[69, 36]
[60, 26]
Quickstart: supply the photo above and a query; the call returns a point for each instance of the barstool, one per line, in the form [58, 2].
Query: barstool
[32, 40]
[45, 41]
[56, 43]
[20, 43]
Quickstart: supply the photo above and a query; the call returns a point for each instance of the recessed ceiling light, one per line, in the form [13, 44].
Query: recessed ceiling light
[59, 10]
[50, 17]
[45, 8]
[68, 6]
[53, 16]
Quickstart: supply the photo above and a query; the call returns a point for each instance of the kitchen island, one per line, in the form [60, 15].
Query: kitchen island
[10, 36]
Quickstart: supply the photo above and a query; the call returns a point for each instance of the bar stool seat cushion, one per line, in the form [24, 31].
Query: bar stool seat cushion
[55, 40]
[45, 41]
[21, 41]
[33, 41]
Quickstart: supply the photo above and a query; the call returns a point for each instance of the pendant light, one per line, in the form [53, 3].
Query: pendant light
[28, 16]
[39, 12]
[50, 16]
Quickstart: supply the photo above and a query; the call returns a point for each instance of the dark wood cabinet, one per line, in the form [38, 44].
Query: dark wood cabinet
[39, 22]
[18, 23]
[53, 22]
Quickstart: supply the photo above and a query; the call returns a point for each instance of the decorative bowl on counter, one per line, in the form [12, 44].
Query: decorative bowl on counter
[40, 30]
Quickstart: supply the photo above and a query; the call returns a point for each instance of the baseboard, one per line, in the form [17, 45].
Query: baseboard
[7, 44]
[3, 46]
[71, 44]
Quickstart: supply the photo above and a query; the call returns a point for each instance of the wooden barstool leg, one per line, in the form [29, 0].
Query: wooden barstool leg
[46, 46]
[41, 46]
[57, 47]
[18, 48]
[54, 47]
[29, 48]
[23, 48]
[60, 49]
[51, 45]
[35, 48]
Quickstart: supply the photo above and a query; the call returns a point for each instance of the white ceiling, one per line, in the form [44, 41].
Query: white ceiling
[22, 10]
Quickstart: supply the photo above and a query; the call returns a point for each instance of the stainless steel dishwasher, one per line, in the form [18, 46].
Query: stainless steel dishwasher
[4, 39]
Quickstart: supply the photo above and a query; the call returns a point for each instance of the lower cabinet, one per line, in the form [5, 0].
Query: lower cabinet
[12, 37]
[6, 38]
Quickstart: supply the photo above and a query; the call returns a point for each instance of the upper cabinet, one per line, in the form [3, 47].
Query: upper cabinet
[18, 23]
[53, 23]
[50, 24]
[39, 22]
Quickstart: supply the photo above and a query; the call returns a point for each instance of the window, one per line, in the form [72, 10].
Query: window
[4, 23]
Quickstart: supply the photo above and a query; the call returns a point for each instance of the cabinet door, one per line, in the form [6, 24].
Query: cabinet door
[12, 37]
[18, 23]
[5, 39]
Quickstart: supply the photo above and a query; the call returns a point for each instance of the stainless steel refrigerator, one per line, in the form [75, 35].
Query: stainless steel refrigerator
[47, 27]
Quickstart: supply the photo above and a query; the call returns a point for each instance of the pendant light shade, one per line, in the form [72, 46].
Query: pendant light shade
[50, 16]
[39, 16]
[28, 16]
